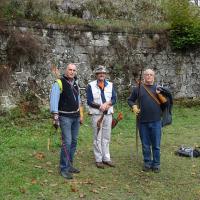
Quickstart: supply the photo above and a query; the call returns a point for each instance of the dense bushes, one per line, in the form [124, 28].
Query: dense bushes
[180, 16]
[185, 24]
[22, 45]
[137, 13]
[17, 9]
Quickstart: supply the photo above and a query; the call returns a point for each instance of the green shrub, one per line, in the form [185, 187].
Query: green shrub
[22, 45]
[185, 24]
[13, 9]
[19, 9]
[185, 36]
[102, 8]
[189, 103]
[33, 12]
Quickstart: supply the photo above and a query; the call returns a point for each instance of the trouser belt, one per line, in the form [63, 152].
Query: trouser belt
[68, 112]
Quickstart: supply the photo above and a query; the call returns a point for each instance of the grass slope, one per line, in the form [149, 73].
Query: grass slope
[29, 171]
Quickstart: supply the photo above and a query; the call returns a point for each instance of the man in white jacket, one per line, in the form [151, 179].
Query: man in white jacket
[101, 97]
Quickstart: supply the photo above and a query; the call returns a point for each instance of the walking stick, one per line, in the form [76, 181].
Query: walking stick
[138, 116]
[56, 72]
[49, 140]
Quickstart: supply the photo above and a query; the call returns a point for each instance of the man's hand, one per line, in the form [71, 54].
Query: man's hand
[56, 122]
[81, 120]
[136, 110]
[161, 98]
[158, 90]
[105, 106]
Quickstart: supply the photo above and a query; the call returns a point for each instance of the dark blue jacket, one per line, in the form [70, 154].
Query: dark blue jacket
[167, 110]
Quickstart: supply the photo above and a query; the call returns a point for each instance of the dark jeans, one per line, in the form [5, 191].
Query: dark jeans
[70, 128]
[150, 135]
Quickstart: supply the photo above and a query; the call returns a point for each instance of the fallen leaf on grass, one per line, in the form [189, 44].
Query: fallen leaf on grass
[74, 188]
[89, 182]
[48, 163]
[45, 181]
[22, 190]
[95, 191]
[65, 181]
[39, 155]
[33, 181]
[103, 187]
[38, 166]
[82, 195]
[53, 184]
[50, 171]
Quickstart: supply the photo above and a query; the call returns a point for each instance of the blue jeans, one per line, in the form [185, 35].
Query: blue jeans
[70, 128]
[150, 135]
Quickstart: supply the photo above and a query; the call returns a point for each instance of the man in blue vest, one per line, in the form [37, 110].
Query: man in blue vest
[101, 97]
[67, 113]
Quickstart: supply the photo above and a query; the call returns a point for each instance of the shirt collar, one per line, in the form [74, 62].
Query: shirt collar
[105, 83]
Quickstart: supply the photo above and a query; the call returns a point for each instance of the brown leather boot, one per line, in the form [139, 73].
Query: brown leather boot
[100, 165]
[109, 163]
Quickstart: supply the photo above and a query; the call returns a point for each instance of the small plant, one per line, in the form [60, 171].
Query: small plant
[102, 8]
[22, 45]
[29, 104]
[13, 9]
[32, 12]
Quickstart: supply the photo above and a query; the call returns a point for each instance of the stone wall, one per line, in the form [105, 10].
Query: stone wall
[123, 53]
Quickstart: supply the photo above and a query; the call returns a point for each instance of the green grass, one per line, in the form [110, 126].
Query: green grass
[29, 171]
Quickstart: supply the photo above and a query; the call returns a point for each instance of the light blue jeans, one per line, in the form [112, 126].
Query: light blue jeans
[70, 128]
[150, 135]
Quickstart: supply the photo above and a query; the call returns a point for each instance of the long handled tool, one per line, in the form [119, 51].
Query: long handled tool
[138, 116]
[56, 72]
[49, 143]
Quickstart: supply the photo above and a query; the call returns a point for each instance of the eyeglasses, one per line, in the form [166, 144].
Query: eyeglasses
[149, 74]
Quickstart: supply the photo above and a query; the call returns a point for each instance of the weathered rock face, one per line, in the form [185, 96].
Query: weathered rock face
[137, 11]
[124, 54]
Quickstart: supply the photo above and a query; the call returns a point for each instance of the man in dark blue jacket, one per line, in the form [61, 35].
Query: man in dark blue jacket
[146, 102]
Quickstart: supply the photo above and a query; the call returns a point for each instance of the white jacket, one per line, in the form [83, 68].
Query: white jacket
[96, 92]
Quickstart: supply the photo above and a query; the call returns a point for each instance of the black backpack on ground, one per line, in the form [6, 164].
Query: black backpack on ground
[188, 152]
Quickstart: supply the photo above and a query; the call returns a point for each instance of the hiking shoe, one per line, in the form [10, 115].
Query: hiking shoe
[146, 169]
[100, 165]
[66, 174]
[109, 163]
[74, 170]
[156, 170]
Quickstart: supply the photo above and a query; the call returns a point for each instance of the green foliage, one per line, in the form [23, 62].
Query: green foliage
[29, 171]
[111, 15]
[19, 9]
[185, 24]
[13, 9]
[188, 102]
[101, 8]
[22, 45]
[187, 36]
[33, 12]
